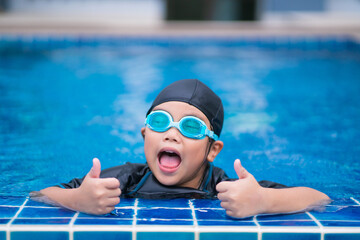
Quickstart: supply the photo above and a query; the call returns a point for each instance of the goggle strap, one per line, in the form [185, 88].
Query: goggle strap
[211, 134]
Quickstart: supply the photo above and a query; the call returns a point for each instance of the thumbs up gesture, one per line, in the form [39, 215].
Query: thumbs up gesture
[243, 197]
[97, 195]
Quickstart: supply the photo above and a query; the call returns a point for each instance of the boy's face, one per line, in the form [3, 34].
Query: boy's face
[173, 158]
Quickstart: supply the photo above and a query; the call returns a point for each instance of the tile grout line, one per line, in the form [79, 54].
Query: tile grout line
[134, 219]
[317, 223]
[26, 206]
[51, 207]
[357, 202]
[258, 226]
[71, 225]
[196, 226]
[14, 217]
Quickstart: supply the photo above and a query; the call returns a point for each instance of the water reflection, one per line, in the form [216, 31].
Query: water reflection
[239, 81]
[250, 122]
[140, 78]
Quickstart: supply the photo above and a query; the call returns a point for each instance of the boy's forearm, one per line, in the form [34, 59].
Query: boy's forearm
[293, 199]
[63, 197]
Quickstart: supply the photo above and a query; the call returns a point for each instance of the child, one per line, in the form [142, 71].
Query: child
[181, 134]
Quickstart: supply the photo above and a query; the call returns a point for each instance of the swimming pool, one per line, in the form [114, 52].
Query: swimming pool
[292, 107]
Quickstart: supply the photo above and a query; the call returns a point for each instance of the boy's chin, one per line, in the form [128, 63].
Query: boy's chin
[167, 181]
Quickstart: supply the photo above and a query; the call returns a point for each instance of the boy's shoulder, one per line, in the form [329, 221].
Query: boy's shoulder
[128, 174]
[125, 169]
[219, 174]
[213, 176]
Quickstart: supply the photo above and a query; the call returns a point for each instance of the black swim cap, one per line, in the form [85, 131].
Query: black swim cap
[195, 93]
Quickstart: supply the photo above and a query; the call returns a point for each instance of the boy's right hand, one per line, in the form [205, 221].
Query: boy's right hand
[97, 195]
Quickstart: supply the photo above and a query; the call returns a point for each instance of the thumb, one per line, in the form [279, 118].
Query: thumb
[96, 169]
[240, 170]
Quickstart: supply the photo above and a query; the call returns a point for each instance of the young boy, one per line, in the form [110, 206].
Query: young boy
[181, 134]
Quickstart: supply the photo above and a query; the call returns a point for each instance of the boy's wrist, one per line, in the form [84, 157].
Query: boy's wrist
[266, 200]
[73, 202]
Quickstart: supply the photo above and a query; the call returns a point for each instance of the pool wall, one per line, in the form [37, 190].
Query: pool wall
[137, 219]
[309, 42]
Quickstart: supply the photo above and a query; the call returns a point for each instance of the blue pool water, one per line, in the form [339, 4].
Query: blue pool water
[292, 105]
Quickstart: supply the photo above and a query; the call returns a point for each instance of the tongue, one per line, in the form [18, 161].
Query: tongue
[170, 161]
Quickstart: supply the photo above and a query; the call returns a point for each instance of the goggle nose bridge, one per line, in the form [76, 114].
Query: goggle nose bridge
[174, 124]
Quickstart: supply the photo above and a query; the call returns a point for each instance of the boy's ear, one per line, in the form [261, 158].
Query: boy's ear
[143, 132]
[215, 150]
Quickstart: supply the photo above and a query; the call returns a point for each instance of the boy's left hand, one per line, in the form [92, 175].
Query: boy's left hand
[243, 197]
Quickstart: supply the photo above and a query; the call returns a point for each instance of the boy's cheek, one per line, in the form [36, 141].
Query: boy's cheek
[149, 151]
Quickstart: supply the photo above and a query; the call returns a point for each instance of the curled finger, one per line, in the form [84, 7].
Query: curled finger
[111, 183]
[112, 202]
[230, 213]
[225, 205]
[223, 186]
[109, 210]
[114, 193]
[222, 196]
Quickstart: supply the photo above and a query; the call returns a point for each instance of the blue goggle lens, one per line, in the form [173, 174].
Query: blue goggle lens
[191, 126]
[158, 121]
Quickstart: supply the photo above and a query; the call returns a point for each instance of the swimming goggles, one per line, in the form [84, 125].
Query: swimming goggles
[189, 126]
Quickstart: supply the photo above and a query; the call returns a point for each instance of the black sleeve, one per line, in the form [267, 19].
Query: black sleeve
[74, 183]
[269, 184]
[265, 184]
[127, 174]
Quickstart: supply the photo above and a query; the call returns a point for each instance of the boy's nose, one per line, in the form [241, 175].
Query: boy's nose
[172, 135]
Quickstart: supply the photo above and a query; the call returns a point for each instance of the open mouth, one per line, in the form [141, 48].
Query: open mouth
[169, 161]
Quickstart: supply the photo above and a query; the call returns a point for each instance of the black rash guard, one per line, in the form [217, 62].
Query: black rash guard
[137, 181]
